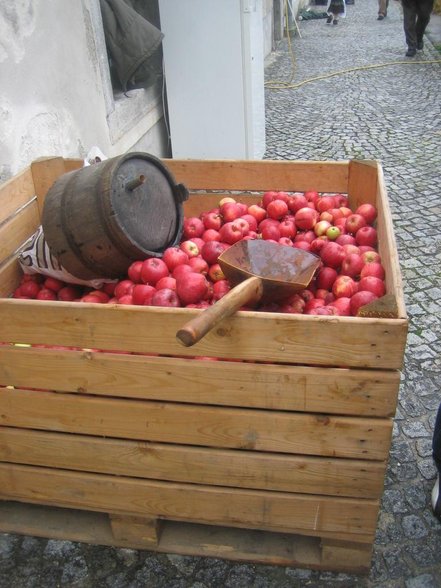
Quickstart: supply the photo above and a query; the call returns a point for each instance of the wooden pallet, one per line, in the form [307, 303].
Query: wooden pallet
[164, 536]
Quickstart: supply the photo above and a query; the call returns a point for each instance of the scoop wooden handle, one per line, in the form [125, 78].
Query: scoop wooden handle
[250, 290]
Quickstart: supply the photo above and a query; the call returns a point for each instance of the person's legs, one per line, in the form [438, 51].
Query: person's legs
[382, 8]
[436, 446]
[424, 10]
[409, 20]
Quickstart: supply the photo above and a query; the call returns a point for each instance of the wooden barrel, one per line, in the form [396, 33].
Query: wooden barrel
[99, 219]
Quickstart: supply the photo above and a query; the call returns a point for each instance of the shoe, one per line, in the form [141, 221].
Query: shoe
[335, 21]
[420, 45]
[436, 499]
[410, 52]
[329, 20]
[380, 17]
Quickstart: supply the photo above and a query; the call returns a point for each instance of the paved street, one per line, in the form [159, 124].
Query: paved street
[391, 114]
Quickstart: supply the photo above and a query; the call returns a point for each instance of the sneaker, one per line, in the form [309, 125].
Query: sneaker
[329, 19]
[335, 21]
[420, 45]
[380, 17]
[410, 52]
[436, 499]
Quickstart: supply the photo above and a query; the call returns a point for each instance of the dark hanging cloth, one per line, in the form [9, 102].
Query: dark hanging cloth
[131, 42]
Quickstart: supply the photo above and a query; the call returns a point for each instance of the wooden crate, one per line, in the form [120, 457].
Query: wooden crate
[279, 458]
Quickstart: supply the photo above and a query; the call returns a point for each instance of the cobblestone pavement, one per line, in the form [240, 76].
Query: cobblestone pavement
[392, 114]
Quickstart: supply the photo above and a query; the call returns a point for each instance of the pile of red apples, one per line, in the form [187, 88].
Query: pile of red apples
[350, 275]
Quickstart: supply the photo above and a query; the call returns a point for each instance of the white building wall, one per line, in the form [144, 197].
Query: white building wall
[55, 94]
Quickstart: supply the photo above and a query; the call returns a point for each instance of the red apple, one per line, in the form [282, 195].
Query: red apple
[373, 284]
[368, 211]
[317, 244]
[230, 233]
[343, 305]
[341, 200]
[326, 277]
[53, 284]
[168, 282]
[210, 235]
[332, 254]
[277, 209]
[126, 299]
[243, 225]
[302, 245]
[215, 273]
[345, 211]
[134, 272]
[296, 202]
[366, 236]
[230, 211]
[257, 211]
[30, 289]
[271, 233]
[361, 298]
[348, 248]
[142, 293]
[313, 304]
[226, 199]
[212, 220]
[190, 248]
[251, 220]
[91, 298]
[287, 228]
[311, 196]
[211, 251]
[345, 239]
[325, 203]
[352, 265]
[306, 218]
[109, 287]
[373, 269]
[307, 236]
[193, 227]
[371, 256]
[101, 295]
[269, 197]
[124, 287]
[165, 297]
[153, 269]
[181, 270]
[172, 257]
[285, 241]
[220, 288]
[321, 227]
[69, 293]
[46, 294]
[344, 286]
[326, 310]
[354, 222]
[191, 288]
[198, 264]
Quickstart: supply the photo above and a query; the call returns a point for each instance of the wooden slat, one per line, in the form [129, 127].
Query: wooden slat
[360, 438]
[10, 274]
[338, 341]
[195, 465]
[182, 538]
[18, 229]
[269, 386]
[139, 530]
[15, 193]
[260, 175]
[388, 248]
[363, 182]
[44, 173]
[271, 511]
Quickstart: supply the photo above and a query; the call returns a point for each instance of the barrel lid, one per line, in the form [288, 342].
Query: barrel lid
[143, 203]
